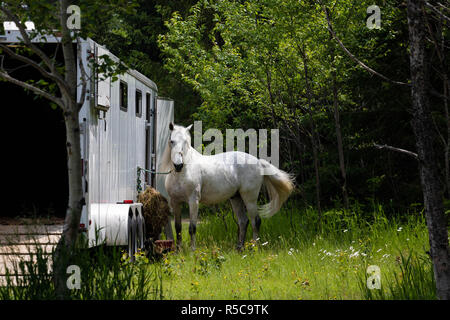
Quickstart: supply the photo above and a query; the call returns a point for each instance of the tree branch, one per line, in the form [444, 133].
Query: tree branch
[443, 7]
[437, 11]
[27, 41]
[7, 77]
[330, 28]
[29, 62]
[409, 153]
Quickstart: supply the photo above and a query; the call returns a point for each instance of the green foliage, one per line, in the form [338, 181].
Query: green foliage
[205, 262]
[247, 61]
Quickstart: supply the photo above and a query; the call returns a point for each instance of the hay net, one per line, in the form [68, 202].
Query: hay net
[155, 211]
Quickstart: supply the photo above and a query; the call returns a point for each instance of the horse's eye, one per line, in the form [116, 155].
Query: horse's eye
[171, 141]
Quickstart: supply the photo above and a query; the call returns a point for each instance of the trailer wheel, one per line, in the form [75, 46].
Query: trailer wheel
[131, 235]
[140, 232]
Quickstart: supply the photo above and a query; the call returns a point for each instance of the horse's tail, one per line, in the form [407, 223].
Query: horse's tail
[279, 185]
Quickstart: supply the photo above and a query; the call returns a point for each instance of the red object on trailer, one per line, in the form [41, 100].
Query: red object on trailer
[127, 201]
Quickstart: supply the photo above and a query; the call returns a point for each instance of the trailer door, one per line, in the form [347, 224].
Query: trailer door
[164, 115]
[103, 84]
[149, 134]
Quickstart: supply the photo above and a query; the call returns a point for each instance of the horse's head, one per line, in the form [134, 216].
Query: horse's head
[179, 144]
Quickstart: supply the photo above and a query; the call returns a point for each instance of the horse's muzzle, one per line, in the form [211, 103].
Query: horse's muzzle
[178, 167]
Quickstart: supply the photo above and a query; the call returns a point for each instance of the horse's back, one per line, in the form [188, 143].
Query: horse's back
[225, 174]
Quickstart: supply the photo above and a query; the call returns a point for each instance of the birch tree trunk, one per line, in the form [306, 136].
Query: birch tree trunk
[423, 130]
[73, 147]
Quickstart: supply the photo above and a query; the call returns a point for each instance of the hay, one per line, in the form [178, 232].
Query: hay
[156, 212]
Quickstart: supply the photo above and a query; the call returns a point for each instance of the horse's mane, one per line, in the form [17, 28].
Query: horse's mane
[165, 164]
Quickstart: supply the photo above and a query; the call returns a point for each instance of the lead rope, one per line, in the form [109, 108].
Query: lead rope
[139, 171]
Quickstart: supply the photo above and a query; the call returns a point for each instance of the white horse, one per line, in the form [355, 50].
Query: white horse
[236, 176]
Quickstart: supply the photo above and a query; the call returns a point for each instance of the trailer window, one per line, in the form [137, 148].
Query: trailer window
[123, 96]
[147, 107]
[138, 103]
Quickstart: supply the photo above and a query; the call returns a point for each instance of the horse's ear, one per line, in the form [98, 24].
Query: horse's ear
[189, 128]
[171, 126]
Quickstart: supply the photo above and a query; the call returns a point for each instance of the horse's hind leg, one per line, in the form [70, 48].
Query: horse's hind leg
[250, 201]
[239, 210]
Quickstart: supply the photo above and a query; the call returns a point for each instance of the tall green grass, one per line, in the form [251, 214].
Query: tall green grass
[305, 257]
[297, 256]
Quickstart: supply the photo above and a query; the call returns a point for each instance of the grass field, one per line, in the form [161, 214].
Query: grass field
[294, 258]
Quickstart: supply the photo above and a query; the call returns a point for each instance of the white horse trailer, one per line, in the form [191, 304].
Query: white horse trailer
[124, 126]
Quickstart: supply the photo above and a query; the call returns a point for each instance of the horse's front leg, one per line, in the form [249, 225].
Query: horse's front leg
[193, 214]
[176, 208]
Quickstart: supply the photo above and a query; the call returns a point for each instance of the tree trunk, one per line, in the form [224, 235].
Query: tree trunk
[313, 136]
[340, 147]
[447, 143]
[76, 201]
[423, 130]
[68, 240]
[337, 125]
